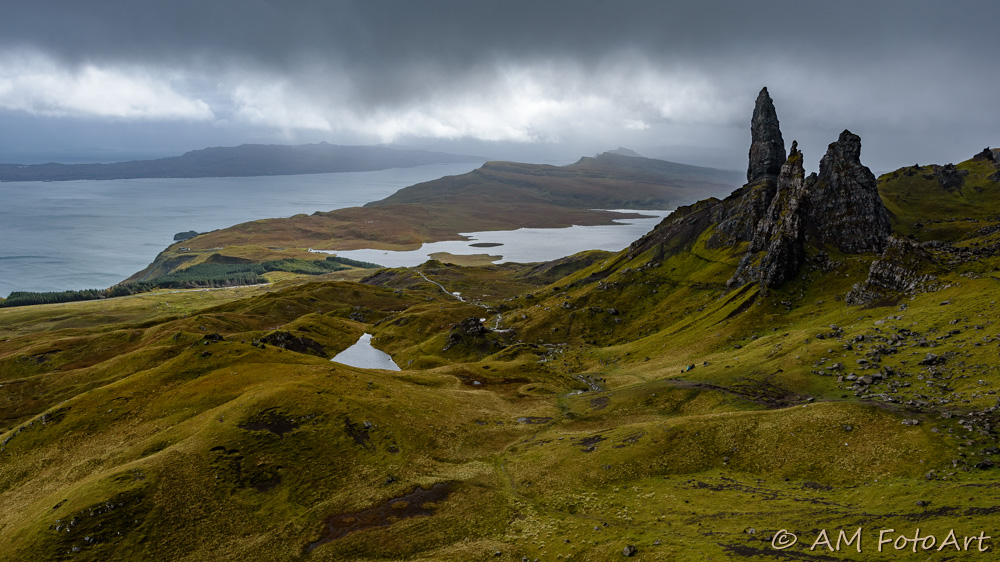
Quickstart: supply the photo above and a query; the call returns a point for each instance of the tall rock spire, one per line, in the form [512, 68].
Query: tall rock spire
[844, 207]
[767, 148]
[776, 251]
[741, 211]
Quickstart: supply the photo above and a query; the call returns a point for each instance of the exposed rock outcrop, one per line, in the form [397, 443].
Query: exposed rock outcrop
[767, 148]
[776, 251]
[901, 270]
[291, 342]
[737, 216]
[987, 155]
[677, 231]
[843, 205]
[471, 335]
[991, 155]
[780, 212]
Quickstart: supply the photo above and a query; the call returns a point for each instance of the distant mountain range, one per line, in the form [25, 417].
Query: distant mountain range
[240, 161]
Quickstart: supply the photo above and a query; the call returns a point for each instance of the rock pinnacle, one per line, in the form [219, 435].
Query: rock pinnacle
[767, 148]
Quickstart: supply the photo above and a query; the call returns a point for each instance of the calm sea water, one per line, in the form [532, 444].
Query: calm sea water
[92, 234]
[56, 236]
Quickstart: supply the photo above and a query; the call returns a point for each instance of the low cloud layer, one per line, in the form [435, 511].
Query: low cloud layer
[914, 79]
[38, 85]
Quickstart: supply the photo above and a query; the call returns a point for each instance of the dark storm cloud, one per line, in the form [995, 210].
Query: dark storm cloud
[459, 33]
[909, 76]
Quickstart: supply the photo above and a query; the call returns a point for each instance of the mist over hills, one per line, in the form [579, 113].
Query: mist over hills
[240, 161]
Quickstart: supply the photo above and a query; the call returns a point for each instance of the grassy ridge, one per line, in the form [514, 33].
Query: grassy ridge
[197, 275]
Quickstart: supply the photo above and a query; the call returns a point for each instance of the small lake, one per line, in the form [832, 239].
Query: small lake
[56, 236]
[524, 245]
[364, 356]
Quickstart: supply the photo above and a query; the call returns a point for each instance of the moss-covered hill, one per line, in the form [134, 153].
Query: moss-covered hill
[561, 411]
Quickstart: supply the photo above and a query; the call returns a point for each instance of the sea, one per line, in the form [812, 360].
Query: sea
[87, 234]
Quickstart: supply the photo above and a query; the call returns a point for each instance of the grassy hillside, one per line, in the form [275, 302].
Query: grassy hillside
[560, 411]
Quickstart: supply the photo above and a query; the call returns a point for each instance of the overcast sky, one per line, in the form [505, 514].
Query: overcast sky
[541, 80]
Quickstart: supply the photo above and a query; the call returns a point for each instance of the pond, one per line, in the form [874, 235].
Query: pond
[363, 355]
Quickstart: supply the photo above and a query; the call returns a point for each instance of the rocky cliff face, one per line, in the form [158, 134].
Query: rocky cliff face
[777, 251]
[767, 149]
[780, 212]
[843, 205]
[739, 213]
[898, 271]
[737, 216]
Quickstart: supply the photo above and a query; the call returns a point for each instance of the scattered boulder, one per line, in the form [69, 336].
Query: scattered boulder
[932, 359]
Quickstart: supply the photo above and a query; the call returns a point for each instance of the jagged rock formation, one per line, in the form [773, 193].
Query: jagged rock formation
[739, 213]
[780, 212]
[991, 155]
[987, 155]
[838, 207]
[767, 149]
[470, 334]
[897, 272]
[737, 216]
[776, 251]
[843, 205]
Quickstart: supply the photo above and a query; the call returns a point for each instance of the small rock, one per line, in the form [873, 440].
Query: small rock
[629, 550]
[923, 503]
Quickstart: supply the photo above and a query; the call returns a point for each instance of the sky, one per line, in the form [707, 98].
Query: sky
[537, 81]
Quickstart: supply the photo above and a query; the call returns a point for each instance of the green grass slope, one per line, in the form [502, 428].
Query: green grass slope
[560, 411]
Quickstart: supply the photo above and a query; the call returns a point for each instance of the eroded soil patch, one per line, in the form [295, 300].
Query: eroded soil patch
[419, 502]
[270, 420]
